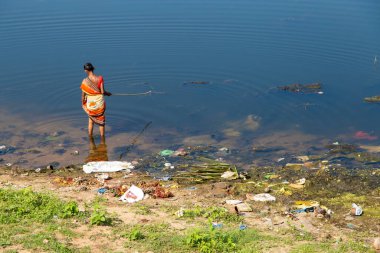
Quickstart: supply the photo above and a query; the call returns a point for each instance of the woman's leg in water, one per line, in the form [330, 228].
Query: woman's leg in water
[90, 127]
[102, 130]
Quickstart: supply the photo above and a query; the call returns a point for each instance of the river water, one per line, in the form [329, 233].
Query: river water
[240, 51]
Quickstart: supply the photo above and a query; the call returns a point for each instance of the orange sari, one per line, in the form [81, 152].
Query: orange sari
[94, 104]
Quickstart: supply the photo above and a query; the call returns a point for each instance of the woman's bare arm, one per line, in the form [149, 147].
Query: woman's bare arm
[104, 91]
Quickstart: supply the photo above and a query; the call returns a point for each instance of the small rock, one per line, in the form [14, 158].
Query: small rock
[267, 190]
[45, 241]
[376, 243]
[243, 207]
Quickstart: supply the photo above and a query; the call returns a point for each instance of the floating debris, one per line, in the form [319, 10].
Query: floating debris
[302, 88]
[336, 147]
[374, 99]
[197, 82]
[361, 135]
[6, 149]
[166, 152]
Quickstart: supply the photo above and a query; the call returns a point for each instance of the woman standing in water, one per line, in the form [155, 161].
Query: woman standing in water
[93, 99]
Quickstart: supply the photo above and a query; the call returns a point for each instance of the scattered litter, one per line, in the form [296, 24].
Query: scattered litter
[165, 178]
[133, 194]
[38, 170]
[304, 210]
[303, 158]
[167, 165]
[102, 190]
[294, 166]
[161, 192]
[233, 201]
[299, 184]
[76, 152]
[63, 181]
[166, 152]
[8, 164]
[179, 213]
[242, 227]
[243, 207]
[102, 176]
[361, 135]
[305, 204]
[224, 149]
[271, 176]
[107, 166]
[217, 225]
[356, 210]
[296, 186]
[280, 159]
[320, 92]
[180, 152]
[230, 175]
[6, 149]
[263, 197]
[191, 188]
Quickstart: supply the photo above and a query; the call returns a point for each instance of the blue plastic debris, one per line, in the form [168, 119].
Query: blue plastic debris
[102, 190]
[217, 225]
[242, 227]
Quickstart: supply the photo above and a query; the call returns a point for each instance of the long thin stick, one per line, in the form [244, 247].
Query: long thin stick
[137, 94]
[133, 142]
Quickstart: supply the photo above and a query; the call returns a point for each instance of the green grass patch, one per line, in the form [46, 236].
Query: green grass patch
[211, 213]
[342, 247]
[25, 205]
[32, 220]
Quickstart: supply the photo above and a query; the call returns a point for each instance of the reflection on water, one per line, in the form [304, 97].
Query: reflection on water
[231, 55]
[97, 152]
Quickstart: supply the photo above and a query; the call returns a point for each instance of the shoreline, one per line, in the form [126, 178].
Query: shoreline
[334, 188]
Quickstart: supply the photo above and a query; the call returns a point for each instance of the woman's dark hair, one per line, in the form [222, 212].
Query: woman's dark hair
[88, 66]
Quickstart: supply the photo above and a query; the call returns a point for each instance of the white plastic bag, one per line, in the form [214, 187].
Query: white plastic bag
[106, 166]
[133, 194]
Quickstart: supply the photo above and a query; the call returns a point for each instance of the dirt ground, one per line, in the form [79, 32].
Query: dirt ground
[272, 218]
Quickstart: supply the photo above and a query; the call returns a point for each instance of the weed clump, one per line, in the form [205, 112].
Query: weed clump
[212, 241]
[99, 216]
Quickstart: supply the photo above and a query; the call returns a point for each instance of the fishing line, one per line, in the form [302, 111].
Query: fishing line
[134, 141]
[138, 94]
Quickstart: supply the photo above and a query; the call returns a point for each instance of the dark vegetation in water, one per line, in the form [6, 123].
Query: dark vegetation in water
[196, 82]
[303, 88]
